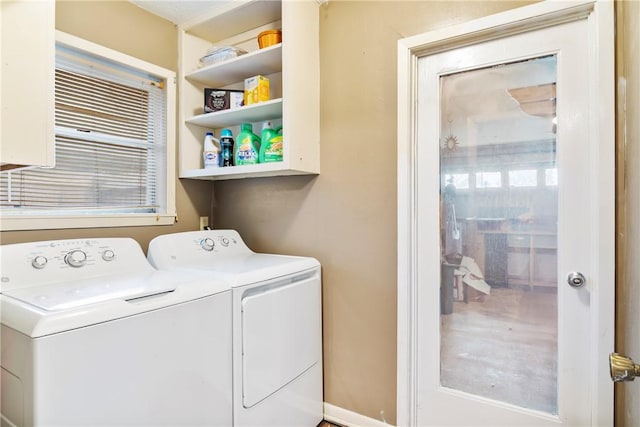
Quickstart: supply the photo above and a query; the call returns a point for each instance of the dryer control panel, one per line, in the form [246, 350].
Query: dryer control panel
[196, 248]
[218, 241]
[40, 263]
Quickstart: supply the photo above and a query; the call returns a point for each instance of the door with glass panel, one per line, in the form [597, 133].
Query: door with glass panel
[506, 171]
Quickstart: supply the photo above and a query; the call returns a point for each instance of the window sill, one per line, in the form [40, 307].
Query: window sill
[45, 222]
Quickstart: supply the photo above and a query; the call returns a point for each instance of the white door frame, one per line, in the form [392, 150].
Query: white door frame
[540, 15]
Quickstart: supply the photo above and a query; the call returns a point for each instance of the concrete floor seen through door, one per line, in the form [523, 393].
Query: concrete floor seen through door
[502, 346]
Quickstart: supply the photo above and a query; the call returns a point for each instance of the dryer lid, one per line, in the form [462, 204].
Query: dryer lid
[222, 252]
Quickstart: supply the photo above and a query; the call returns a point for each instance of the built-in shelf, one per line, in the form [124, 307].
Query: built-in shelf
[267, 110]
[267, 60]
[293, 69]
[245, 171]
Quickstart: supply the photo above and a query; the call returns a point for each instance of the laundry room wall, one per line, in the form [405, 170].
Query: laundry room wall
[129, 29]
[346, 216]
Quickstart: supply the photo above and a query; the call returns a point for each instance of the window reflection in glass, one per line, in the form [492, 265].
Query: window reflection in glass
[551, 176]
[523, 178]
[460, 180]
[488, 179]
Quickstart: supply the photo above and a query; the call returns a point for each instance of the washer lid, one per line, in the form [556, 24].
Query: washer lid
[67, 295]
[45, 310]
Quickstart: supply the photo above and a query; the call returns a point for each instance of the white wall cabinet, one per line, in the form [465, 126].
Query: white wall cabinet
[27, 56]
[293, 68]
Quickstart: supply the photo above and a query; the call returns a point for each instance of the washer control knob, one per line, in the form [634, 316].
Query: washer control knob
[39, 262]
[207, 244]
[225, 241]
[76, 258]
[108, 255]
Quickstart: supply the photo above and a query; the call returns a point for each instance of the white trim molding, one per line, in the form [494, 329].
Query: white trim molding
[344, 417]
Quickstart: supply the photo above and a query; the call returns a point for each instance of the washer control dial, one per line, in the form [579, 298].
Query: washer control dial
[39, 262]
[108, 255]
[76, 258]
[207, 244]
[225, 241]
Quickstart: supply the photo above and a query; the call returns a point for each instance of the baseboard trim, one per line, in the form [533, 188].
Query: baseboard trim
[344, 417]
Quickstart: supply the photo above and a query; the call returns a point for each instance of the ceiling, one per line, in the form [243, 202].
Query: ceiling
[178, 12]
[500, 104]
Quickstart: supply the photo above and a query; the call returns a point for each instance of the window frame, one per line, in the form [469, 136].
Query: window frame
[92, 220]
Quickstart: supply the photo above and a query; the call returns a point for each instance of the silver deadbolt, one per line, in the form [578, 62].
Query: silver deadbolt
[576, 279]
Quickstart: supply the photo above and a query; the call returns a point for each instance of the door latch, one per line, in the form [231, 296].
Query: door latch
[622, 368]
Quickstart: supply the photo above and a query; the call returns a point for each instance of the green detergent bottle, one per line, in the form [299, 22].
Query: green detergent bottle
[271, 144]
[247, 146]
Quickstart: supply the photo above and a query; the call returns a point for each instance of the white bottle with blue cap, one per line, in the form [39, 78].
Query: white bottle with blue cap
[211, 153]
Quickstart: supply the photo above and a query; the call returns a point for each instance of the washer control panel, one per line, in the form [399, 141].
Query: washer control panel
[69, 253]
[46, 262]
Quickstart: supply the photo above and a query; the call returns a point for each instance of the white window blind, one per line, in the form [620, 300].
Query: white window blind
[110, 150]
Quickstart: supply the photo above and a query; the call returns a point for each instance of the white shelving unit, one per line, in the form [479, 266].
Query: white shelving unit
[292, 67]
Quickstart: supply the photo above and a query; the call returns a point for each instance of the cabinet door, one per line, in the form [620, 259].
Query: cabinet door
[27, 52]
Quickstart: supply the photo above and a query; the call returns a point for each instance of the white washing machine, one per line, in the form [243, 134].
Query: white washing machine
[277, 324]
[92, 335]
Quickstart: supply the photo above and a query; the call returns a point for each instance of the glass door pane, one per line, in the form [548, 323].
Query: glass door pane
[499, 214]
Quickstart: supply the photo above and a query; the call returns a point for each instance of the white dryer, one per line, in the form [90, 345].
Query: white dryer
[92, 335]
[277, 324]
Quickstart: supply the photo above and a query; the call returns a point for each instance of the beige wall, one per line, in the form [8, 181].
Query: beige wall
[628, 204]
[346, 216]
[122, 26]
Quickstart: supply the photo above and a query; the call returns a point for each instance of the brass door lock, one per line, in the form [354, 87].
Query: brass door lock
[622, 368]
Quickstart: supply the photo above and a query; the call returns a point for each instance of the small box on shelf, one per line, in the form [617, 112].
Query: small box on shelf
[256, 89]
[222, 99]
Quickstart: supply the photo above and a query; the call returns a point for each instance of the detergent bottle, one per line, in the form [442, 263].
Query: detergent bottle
[247, 146]
[211, 151]
[271, 144]
[226, 142]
